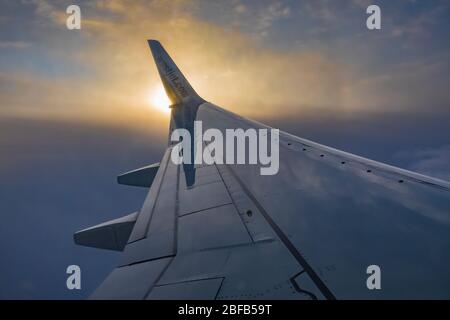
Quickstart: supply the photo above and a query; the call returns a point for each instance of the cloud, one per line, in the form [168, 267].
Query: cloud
[362, 3]
[14, 45]
[421, 24]
[240, 8]
[323, 10]
[407, 86]
[256, 19]
[50, 10]
[226, 66]
[270, 14]
[434, 162]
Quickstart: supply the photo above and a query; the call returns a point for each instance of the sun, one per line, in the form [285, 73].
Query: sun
[158, 99]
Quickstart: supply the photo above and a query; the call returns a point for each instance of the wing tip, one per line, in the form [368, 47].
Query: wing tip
[153, 42]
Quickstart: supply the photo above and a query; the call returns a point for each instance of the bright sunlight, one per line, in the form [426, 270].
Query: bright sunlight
[159, 100]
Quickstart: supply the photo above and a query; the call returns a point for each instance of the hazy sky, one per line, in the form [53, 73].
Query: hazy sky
[77, 106]
[254, 57]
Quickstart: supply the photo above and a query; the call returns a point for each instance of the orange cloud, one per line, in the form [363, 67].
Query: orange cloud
[225, 66]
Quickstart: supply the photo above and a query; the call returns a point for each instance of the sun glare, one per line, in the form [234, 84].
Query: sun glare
[158, 99]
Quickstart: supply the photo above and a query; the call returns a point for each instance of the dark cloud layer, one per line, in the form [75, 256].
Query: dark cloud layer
[58, 178]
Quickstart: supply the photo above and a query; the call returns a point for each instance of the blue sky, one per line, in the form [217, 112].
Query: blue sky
[76, 106]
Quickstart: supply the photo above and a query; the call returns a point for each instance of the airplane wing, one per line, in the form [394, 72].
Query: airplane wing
[224, 231]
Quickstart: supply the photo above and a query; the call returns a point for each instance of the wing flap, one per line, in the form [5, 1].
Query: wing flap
[131, 282]
[111, 235]
[142, 177]
[205, 289]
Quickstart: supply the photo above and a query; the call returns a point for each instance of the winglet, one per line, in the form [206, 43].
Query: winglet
[177, 87]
